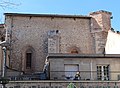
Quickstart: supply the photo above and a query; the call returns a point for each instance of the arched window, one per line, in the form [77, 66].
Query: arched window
[28, 59]
[74, 51]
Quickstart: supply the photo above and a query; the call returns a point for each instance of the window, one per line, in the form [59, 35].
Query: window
[74, 51]
[70, 70]
[28, 60]
[103, 72]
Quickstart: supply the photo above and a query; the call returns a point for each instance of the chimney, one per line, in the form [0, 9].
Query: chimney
[101, 20]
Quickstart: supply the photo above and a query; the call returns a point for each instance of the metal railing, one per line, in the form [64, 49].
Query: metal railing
[68, 75]
[85, 75]
[26, 76]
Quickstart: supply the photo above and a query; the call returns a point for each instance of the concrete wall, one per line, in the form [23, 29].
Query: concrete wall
[87, 66]
[113, 43]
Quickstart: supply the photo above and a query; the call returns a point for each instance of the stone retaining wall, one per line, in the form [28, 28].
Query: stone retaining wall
[63, 84]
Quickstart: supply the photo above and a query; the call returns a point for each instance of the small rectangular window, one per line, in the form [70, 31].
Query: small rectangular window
[103, 72]
[28, 60]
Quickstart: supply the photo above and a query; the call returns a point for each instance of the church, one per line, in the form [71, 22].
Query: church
[69, 43]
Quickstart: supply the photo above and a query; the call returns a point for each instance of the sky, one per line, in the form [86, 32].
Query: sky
[66, 7]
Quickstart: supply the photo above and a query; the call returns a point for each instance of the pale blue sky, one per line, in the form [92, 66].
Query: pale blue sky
[70, 7]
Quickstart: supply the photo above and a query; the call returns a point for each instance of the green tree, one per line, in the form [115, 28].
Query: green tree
[71, 85]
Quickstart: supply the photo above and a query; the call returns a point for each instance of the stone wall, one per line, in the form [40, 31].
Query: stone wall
[63, 84]
[31, 31]
[100, 25]
[1, 38]
[80, 34]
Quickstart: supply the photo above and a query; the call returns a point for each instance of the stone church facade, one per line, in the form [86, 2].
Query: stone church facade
[34, 38]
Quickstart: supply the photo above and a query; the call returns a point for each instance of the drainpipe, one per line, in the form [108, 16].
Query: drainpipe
[91, 75]
[4, 62]
[4, 67]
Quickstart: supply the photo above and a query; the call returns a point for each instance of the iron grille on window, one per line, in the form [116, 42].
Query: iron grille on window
[103, 72]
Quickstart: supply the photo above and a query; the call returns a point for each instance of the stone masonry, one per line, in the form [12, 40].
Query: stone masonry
[85, 34]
